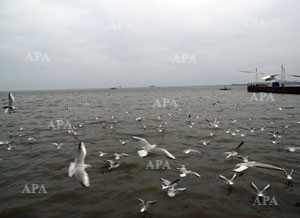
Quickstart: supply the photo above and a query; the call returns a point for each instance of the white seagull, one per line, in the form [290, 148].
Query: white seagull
[58, 145]
[172, 191]
[112, 164]
[124, 142]
[77, 167]
[101, 154]
[185, 172]
[292, 149]
[11, 101]
[168, 184]
[118, 156]
[289, 175]
[147, 147]
[144, 207]
[228, 181]
[187, 151]
[260, 193]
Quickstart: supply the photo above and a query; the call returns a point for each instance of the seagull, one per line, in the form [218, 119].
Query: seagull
[252, 129]
[205, 142]
[31, 139]
[234, 152]
[168, 184]
[124, 142]
[228, 181]
[274, 135]
[185, 172]
[214, 124]
[77, 167]
[147, 147]
[289, 175]
[270, 77]
[101, 154]
[11, 101]
[244, 166]
[118, 156]
[144, 207]
[112, 164]
[292, 149]
[57, 145]
[273, 142]
[139, 119]
[262, 192]
[187, 151]
[174, 191]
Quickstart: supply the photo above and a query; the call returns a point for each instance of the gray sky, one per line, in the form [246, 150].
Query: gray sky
[59, 44]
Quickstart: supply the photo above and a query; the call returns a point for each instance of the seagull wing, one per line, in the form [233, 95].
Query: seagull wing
[162, 150]
[165, 181]
[233, 177]
[239, 145]
[143, 142]
[267, 166]
[266, 188]
[223, 177]
[254, 186]
[82, 176]
[11, 99]
[71, 169]
[81, 153]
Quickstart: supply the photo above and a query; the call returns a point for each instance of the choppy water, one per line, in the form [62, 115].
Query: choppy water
[115, 194]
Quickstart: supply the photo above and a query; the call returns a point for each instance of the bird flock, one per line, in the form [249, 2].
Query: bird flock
[79, 169]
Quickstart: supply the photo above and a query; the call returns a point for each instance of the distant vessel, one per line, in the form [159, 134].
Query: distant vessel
[225, 89]
[113, 88]
[273, 87]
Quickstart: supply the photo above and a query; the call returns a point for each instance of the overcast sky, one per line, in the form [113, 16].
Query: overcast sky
[59, 44]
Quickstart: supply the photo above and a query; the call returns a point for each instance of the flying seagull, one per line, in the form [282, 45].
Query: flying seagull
[172, 191]
[185, 172]
[234, 152]
[147, 147]
[11, 101]
[260, 193]
[118, 156]
[168, 184]
[270, 77]
[77, 167]
[124, 142]
[187, 151]
[112, 164]
[228, 181]
[144, 207]
[58, 145]
[101, 154]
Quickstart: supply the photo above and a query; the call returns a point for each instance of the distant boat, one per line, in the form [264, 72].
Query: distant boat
[113, 88]
[225, 89]
[152, 86]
